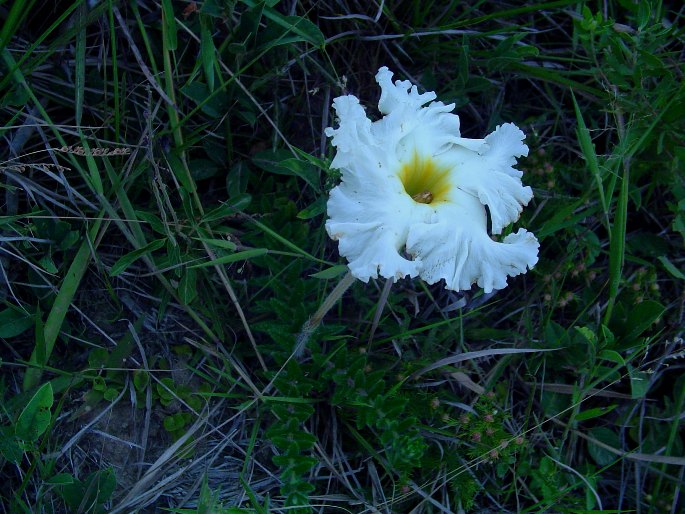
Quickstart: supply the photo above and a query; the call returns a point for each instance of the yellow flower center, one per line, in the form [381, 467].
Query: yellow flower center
[425, 180]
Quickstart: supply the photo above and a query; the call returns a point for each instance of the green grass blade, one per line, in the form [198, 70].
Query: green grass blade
[66, 293]
[80, 57]
[588, 149]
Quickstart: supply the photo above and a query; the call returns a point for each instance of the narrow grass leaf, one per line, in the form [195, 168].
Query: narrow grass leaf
[207, 49]
[238, 256]
[590, 155]
[594, 413]
[13, 20]
[187, 286]
[300, 26]
[80, 59]
[332, 272]
[671, 268]
[62, 302]
[287, 243]
[617, 243]
[219, 243]
[169, 21]
[454, 359]
[128, 259]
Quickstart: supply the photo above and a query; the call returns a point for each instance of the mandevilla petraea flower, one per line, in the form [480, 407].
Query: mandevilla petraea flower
[413, 193]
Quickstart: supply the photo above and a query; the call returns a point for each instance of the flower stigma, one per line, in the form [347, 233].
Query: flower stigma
[425, 180]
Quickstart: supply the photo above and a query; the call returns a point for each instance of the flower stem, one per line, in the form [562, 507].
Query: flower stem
[310, 326]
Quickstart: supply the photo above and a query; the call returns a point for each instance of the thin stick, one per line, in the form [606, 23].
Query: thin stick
[310, 326]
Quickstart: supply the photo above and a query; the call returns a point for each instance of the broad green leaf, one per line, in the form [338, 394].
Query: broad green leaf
[602, 456]
[612, 356]
[126, 260]
[9, 445]
[641, 318]
[35, 418]
[14, 322]
[212, 103]
[141, 379]
[639, 383]
[60, 479]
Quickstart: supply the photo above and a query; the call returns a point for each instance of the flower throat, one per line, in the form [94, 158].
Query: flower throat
[425, 180]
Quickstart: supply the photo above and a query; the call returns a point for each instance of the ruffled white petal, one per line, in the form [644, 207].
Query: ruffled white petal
[462, 256]
[353, 137]
[408, 124]
[369, 214]
[399, 95]
[489, 175]
[505, 144]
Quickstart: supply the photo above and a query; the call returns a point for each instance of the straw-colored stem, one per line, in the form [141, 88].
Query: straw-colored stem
[310, 326]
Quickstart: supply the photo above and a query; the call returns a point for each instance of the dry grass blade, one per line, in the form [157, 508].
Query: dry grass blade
[454, 359]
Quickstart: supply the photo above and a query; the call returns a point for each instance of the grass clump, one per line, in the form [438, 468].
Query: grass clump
[164, 181]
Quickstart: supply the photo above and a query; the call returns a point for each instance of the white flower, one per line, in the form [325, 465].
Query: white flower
[413, 193]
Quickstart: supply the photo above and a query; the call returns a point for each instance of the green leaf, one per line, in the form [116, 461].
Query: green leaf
[234, 204]
[594, 413]
[589, 153]
[126, 260]
[141, 379]
[169, 21]
[295, 24]
[588, 335]
[219, 243]
[313, 210]
[14, 322]
[9, 446]
[35, 418]
[602, 456]
[207, 49]
[639, 383]
[60, 479]
[80, 63]
[281, 162]
[61, 304]
[213, 103]
[187, 286]
[612, 356]
[178, 169]
[95, 490]
[332, 272]
[641, 318]
[238, 256]
[671, 268]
